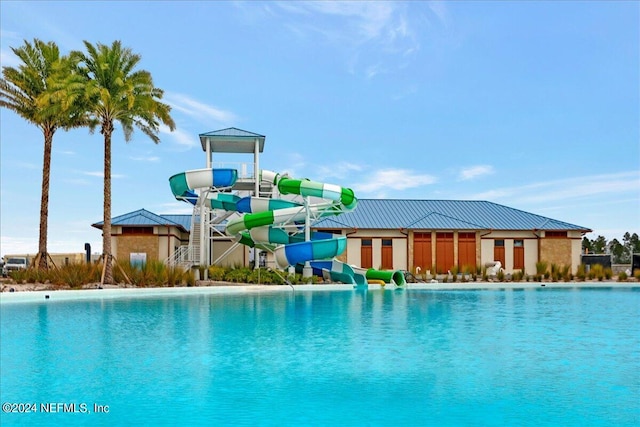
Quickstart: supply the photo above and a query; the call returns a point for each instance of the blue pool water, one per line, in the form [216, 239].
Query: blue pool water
[535, 357]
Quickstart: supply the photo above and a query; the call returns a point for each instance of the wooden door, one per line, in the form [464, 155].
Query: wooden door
[366, 253]
[422, 252]
[444, 252]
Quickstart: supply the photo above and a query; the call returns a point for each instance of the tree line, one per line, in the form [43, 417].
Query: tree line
[95, 88]
[620, 251]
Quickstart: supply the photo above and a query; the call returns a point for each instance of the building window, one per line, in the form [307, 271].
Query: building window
[444, 252]
[422, 251]
[387, 254]
[137, 230]
[518, 254]
[332, 231]
[555, 234]
[366, 253]
[498, 251]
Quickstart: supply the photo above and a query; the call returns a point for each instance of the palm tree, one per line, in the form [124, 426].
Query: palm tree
[28, 91]
[119, 93]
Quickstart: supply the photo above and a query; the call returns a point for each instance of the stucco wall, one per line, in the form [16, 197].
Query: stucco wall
[400, 254]
[236, 257]
[353, 252]
[530, 255]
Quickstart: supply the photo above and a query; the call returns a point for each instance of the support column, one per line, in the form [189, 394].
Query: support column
[307, 271]
[205, 242]
[256, 168]
[256, 192]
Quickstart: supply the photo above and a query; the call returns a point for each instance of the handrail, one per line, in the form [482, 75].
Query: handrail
[284, 279]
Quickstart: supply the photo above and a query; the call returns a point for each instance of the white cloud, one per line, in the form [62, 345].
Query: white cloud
[473, 172]
[440, 11]
[183, 139]
[367, 32]
[393, 180]
[295, 162]
[100, 174]
[8, 59]
[201, 111]
[77, 181]
[25, 165]
[339, 170]
[568, 189]
[16, 245]
[174, 208]
[145, 159]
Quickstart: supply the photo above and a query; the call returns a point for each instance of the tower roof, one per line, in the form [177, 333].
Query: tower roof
[231, 140]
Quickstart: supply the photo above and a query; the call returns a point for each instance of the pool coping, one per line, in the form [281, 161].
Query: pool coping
[115, 293]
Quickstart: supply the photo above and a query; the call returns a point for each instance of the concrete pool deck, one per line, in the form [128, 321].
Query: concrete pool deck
[30, 293]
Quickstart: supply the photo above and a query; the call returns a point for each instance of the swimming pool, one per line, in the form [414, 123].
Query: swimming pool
[528, 357]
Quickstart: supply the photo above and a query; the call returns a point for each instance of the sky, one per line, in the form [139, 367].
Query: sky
[532, 105]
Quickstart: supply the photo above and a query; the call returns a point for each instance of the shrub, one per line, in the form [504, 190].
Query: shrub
[541, 268]
[622, 277]
[30, 275]
[238, 275]
[636, 274]
[190, 278]
[174, 276]
[500, 275]
[581, 273]
[75, 275]
[608, 273]
[596, 272]
[264, 276]
[151, 274]
[217, 273]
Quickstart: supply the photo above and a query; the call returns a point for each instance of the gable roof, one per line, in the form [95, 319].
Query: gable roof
[442, 215]
[231, 140]
[395, 214]
[144, 218]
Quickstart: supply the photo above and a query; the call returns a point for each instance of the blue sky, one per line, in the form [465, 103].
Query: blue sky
[534, 105]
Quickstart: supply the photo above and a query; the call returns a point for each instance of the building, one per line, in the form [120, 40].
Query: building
[143, 234]
[415, 235]
[438, 235]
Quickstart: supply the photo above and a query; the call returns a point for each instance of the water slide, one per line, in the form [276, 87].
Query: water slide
[277, 225]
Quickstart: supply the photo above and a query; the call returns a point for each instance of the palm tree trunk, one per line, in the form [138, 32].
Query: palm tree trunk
[44, 198]
[107, 129]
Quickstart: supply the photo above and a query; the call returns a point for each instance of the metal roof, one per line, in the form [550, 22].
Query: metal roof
[442, 215]
[144, 218]
[395, 214]
[231, 140]
[181, 219]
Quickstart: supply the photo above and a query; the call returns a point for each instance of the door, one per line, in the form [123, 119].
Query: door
[467, 251]
[444, 252]
[422, 252]
[387, 254]
[366, 253]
